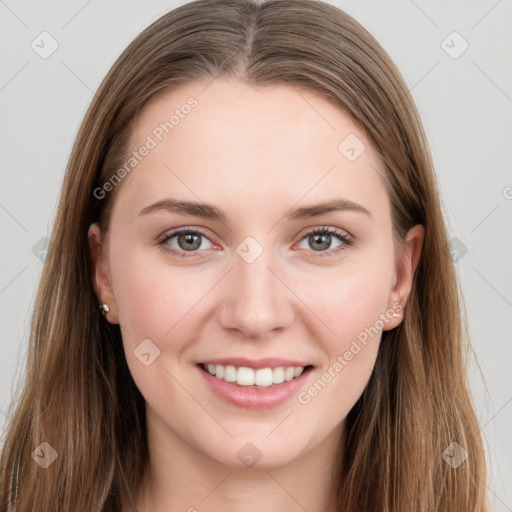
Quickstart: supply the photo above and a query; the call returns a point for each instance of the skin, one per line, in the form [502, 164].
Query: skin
[254, 153]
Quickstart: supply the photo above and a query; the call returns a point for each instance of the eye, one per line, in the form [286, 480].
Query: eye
[320, 241]
[194, 242]
[183, 241]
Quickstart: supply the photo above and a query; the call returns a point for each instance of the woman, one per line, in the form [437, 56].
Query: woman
[248, 302]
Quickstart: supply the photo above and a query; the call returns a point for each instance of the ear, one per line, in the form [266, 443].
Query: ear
[404, 274]
[100, 276]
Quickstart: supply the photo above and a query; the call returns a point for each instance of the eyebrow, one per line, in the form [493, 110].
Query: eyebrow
[208, 211]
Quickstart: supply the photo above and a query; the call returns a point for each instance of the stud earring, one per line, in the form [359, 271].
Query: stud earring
[104, 309]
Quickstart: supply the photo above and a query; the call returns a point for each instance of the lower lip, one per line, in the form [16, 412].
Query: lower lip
[253, 398]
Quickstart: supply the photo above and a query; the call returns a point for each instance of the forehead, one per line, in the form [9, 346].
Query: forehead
[226, 138]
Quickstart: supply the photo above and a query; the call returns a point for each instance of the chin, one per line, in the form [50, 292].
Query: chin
[257, 454]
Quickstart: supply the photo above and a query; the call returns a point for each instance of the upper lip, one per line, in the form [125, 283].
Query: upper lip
[256, 364]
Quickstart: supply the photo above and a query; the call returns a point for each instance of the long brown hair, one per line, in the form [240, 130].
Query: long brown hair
[79, 396]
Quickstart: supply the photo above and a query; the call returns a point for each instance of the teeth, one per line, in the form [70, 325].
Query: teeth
[288, 373]
[230, 373]
[278, 375]
[245, 376]
[262, 378]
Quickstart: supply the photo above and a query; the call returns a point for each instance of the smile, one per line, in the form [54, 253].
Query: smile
[258, 379]
[255, 388]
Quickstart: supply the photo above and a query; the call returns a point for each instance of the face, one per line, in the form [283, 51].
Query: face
[254, 276]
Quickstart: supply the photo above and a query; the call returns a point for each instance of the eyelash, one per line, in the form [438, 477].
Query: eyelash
[345, 239]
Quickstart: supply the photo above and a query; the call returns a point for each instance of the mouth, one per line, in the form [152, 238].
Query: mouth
[260, 378]
[260, 388]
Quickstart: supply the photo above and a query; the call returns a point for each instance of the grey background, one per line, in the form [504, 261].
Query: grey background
[465, 103]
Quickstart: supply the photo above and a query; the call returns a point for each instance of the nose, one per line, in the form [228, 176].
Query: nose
[257, 302]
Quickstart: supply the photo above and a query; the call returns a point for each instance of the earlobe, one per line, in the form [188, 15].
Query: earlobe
[100, 277]
[406, 269]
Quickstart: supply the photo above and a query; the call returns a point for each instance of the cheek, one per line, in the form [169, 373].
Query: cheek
[353, 312]
[349, 302]
[352, 306]
[153, 299]
[155, 302]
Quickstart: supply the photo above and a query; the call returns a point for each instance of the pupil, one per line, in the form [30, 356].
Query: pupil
[324, 241]
[189, 239]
